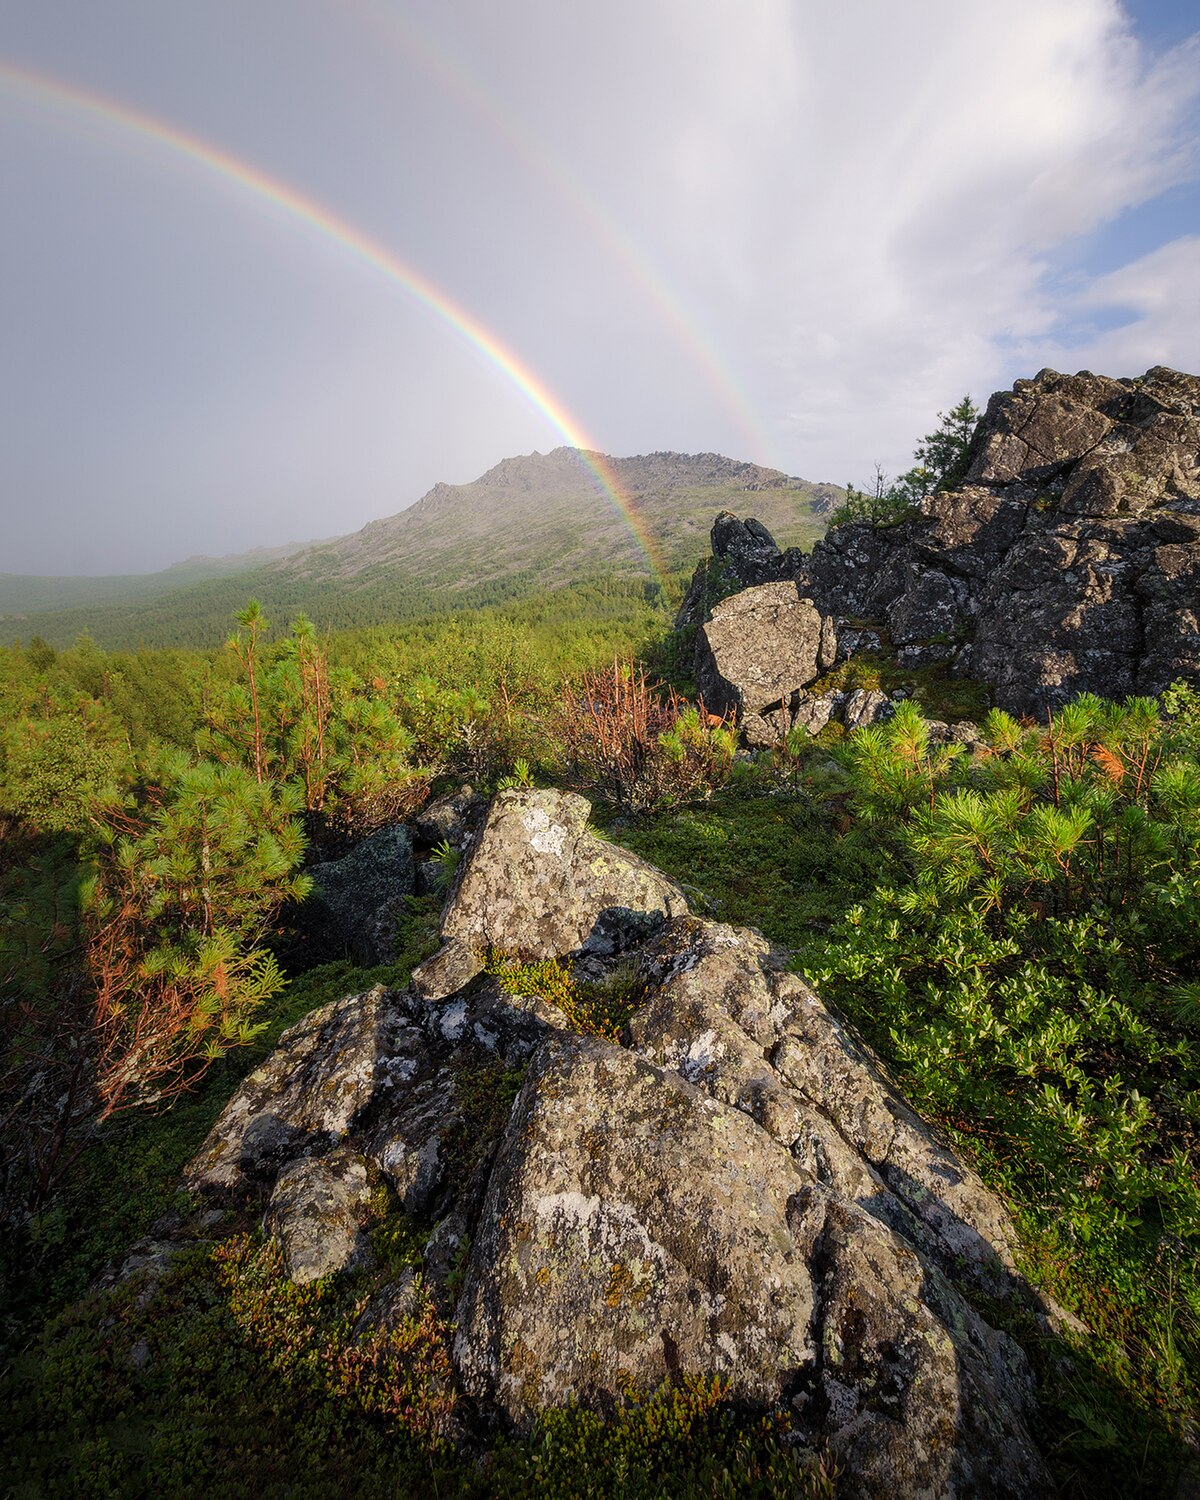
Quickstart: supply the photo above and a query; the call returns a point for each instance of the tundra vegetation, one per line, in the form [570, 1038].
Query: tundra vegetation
[1014, 928]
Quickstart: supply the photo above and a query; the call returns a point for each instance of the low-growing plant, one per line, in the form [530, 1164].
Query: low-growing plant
[600, 1008]
[638, 745]
[1028, 971]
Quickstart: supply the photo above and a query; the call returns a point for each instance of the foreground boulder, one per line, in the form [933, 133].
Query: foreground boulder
[634, 1231]
[1067, 560]
[738, 1191]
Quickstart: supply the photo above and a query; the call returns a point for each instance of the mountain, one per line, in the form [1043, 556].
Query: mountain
[533, 522]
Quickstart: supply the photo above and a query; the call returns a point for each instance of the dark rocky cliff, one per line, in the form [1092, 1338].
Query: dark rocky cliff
[1067, 561]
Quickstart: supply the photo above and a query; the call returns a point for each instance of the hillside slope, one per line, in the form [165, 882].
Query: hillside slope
[533, 522]
[22, 594]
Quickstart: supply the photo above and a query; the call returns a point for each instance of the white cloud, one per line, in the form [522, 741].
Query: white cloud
[872, 193]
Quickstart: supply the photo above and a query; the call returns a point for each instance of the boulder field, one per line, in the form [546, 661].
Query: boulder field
[735, 1189]
[1066, 561]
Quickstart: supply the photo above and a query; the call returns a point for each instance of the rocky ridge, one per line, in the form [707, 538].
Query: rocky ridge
[735, 1190]
[1066, 561]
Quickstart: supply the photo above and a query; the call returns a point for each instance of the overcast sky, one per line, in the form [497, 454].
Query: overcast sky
[788, 232]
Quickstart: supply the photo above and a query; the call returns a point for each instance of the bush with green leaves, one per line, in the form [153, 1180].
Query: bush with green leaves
[639, 745]
[176, 908]
[291, 719]
[1037, 965]
[1029, 971]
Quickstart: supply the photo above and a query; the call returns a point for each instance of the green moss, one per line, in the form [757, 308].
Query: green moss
[484, 1097]
[419, 933]
[781, 862]
[684, 1440]
[397, 1240]
[599, 1008]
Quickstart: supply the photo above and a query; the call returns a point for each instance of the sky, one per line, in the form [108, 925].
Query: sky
[270, 269]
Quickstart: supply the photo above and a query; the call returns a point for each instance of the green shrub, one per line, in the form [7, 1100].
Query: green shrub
[600, 1008]
[1029, 973]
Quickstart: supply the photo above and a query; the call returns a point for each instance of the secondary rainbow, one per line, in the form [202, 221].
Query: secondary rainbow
[416, 44]
[357, 243]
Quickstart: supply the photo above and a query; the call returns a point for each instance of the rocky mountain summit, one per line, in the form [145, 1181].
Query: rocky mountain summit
[733, 1188]
[1066, 560]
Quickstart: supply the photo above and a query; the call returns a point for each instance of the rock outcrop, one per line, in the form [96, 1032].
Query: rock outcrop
[358, 901]
[538, 884]
[1067, 561]
[737, 1190]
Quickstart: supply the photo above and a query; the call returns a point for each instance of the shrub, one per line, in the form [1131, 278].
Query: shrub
[1031, 970]
[599, 1008]
[640, 746]
[177, 903]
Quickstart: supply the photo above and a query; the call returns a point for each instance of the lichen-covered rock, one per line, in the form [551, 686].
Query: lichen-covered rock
[1067, 562]
[446, 971]
[740, 1192]
[358, 901]
[637, 1229]
[304, 1098]
[759, 649]
[746, 549]
[866, 706]
[379, 1072]
[316, 1213]
[634, 1231]
[538, 884]
[913, 1393]
[725, 1016]
[449, 819]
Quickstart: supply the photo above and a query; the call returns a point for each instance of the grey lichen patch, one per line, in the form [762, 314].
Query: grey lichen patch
[674, 1225]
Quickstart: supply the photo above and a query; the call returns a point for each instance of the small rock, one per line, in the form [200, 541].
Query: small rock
[448, 818]
[866, 706]
[449, 969]
[315, 1214]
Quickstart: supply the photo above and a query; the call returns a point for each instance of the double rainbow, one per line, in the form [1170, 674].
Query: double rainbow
[45, 90]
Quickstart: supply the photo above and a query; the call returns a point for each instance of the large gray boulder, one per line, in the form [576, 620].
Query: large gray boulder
[739, 1192]
[634, 1232]
[647, 1222]
[724, 1014]
[757, 651]
[537, 884]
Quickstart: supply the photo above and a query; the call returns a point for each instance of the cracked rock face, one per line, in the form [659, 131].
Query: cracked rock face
[756, 653]
[538, 884]
[739, 1191]
[632, 1242]
[1067, 562]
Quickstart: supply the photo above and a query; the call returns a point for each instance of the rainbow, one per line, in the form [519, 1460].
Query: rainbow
[44, 90]
[415, 43]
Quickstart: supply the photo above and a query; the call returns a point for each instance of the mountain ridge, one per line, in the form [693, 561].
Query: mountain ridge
[531, 521]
